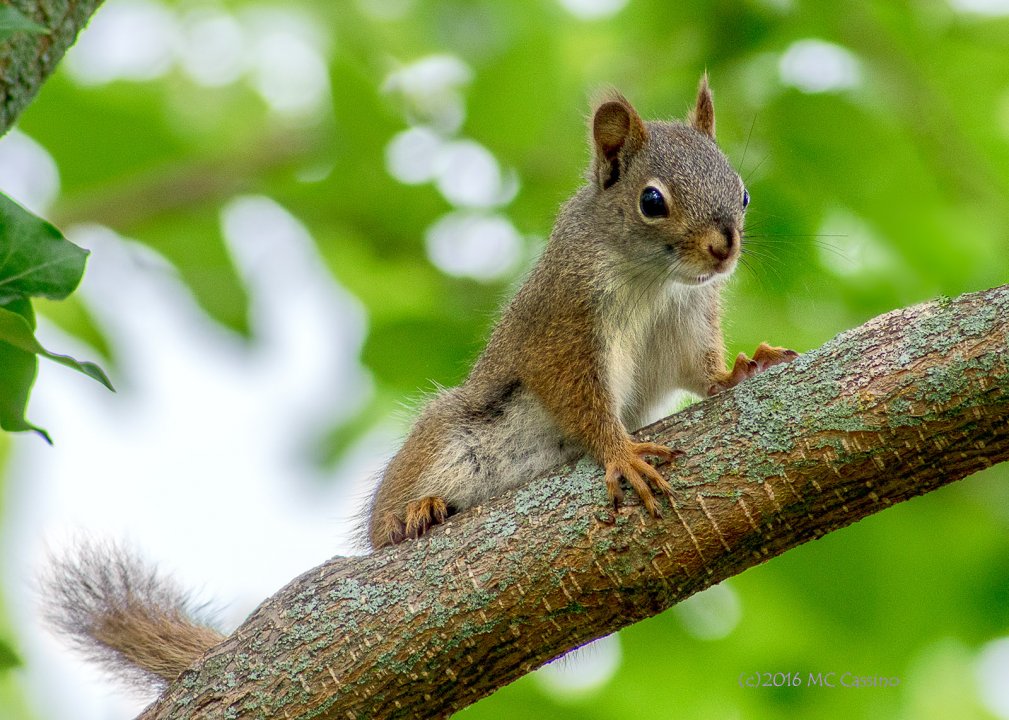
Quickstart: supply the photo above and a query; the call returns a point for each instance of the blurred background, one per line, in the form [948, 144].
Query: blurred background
[304, 215]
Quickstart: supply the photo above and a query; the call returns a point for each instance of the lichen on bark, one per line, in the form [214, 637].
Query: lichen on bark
[27, 59]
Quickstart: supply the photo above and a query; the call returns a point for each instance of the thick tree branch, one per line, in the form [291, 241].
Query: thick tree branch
[26, 59]
[904, 404]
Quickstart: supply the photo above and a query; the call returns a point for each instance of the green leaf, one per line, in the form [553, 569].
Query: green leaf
[17, 375]
[15, 330]
[8, 658]
[35, 258]
[13, 21]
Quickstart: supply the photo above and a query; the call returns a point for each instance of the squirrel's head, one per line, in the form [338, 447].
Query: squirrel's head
[667, 190]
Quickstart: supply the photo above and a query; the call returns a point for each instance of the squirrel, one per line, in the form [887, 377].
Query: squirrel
[622, 308]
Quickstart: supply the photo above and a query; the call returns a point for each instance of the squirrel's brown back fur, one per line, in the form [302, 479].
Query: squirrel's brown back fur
[124, 615]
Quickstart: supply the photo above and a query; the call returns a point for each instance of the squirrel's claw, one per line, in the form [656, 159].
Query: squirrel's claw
[666, 454]
[764, 357]
[424, 513]
[633, 468]
[421, 516]
[768, 356]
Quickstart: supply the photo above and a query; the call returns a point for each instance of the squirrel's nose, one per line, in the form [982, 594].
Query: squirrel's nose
[721, 249]
[719, 252]
[729, 233]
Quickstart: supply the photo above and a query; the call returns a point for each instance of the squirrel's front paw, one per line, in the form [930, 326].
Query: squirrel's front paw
[764, 357]
[633, 468]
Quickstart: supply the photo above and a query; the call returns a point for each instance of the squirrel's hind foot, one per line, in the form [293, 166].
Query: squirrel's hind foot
[423, 514]
[639, 473]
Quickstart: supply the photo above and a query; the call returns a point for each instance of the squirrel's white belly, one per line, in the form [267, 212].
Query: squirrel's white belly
[485, 457]
[628, 319]
[654, 346]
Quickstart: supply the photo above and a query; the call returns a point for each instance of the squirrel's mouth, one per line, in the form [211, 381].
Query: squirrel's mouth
[696, 279]
[723, 269]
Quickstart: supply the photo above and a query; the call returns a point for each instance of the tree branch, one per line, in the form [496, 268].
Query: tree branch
[908, 402]
[165, 189]
[27, 59]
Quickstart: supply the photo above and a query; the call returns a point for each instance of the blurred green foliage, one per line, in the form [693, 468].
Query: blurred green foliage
[887, 188]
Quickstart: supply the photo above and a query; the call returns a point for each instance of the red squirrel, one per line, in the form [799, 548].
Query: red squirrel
[622, 308]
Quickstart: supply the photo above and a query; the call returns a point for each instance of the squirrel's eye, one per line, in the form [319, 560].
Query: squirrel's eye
[746, 198]
[653, 205]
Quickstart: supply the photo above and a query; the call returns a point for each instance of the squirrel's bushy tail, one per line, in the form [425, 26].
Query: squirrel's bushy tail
[124, 615]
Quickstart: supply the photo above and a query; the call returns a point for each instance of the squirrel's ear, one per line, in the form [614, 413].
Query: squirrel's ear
[617, 134]
[702, 117]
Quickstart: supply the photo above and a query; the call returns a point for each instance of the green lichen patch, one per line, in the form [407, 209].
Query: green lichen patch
[771, 422]
[942, 327]
[498, 525]
[354, 596]
[546, 495]
[901, 413]
[930, 333]
[942, 384]
[981, 322]
[843, 415]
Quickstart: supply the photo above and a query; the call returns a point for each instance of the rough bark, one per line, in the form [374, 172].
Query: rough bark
[904, 404]
[27, 59]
